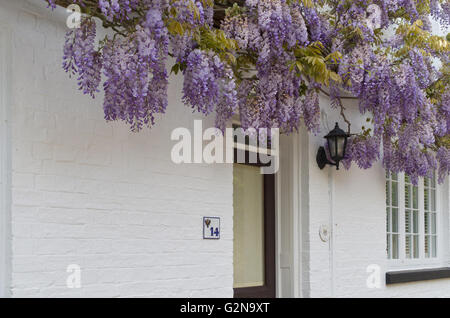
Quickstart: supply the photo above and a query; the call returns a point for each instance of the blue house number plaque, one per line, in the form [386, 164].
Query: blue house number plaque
[211, 228]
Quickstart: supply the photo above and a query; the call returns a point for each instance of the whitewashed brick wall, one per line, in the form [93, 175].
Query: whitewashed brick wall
[356, 199]
[92, 193]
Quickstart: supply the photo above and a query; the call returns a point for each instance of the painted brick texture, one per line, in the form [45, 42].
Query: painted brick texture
[356, 199]
[92, 193]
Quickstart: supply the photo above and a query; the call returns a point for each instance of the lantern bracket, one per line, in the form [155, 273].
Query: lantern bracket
[322, 159]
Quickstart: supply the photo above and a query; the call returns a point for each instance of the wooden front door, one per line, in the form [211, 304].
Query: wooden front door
[254, 232]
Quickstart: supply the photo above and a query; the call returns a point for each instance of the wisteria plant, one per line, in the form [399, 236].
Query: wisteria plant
[269, 60]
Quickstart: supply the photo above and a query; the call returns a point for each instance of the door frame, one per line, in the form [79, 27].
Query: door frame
[268, 290]
[293, 154]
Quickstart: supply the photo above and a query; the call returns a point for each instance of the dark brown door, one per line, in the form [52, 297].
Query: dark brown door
[254, 232]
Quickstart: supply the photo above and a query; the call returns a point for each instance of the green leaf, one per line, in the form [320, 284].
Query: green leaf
[175, 69]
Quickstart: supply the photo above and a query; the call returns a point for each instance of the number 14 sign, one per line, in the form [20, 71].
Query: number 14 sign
[211, 228]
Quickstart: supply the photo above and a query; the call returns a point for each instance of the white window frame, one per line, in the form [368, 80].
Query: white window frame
[421, 262]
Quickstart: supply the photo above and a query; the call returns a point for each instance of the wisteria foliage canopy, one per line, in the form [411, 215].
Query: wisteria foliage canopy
[270, 59]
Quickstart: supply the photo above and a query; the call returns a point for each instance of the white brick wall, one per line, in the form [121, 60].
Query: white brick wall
[356, 199]
[91, 193]
[5, 163]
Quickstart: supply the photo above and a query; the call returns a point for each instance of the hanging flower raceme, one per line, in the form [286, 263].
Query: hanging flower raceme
[117, 9]
[237, 27]
[272, 100]
[209, 86]
[440, 10]
[444, 112]
[270, 60]
[443, 157]
[190, 14]
[310, 111]
[420, 67]
[365, 151]
[135, 71]
[411, 97]
[81, 57]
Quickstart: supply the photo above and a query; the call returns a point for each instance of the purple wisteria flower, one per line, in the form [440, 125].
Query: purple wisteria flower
[363, 151]
[209, 86]
[443, 157]
[285, 56]
[81, 57]
[135, 70]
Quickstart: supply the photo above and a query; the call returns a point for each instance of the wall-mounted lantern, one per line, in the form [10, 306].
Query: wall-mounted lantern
[337, 144]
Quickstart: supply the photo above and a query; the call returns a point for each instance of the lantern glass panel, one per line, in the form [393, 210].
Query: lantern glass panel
[332, 146]
[340, 147]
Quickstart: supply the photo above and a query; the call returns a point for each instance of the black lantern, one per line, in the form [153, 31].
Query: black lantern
[337, 144]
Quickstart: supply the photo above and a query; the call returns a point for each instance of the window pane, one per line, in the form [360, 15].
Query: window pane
[388, 193]
[427, 222]
[407, 221]
[395, 220]
[416, 221]
[415, 198]
[433, 223]
[394, 177]
[416, 246]
[388, 246]
[430, 216]
[408, 246]
[394, 194]
[434, 246]
[433, 200]
[407, 196]
[388, 220]
[395, 246]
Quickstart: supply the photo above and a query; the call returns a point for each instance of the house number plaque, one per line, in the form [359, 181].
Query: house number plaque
[211, 228]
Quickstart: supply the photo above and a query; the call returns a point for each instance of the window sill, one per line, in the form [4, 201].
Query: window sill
[417, 275]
